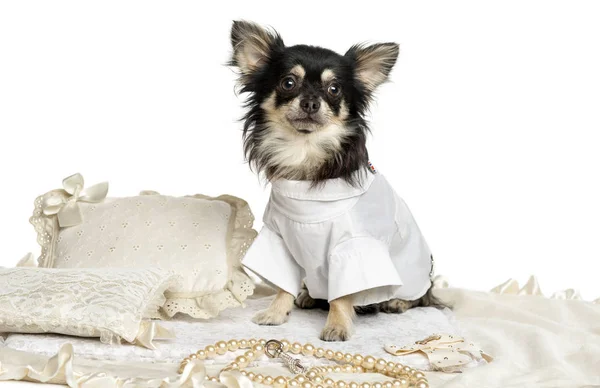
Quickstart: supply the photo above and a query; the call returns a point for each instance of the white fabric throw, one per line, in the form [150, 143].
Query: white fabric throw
[535, 341]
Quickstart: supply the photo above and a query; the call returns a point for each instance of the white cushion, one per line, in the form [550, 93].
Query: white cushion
[200, 238]
[108, 303]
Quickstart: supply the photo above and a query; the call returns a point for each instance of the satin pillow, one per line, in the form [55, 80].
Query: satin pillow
[108, 303]
[200, 238]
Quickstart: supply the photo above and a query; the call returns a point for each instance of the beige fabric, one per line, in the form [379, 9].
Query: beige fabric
[536, 342]
[200, 238]
[63, 369]
[107, 303]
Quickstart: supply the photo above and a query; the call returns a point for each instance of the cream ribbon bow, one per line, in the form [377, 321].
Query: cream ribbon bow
[446, 352]
[66, 207]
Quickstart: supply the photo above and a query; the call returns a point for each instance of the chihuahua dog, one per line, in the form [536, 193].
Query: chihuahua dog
[335, 233]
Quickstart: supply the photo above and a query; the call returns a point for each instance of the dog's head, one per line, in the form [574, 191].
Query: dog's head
[306, 104]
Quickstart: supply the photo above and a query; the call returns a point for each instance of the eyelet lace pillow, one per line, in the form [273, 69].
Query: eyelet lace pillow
[200, 238]
[108, 303]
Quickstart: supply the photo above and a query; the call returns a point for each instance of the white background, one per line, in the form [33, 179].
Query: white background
[489, 128]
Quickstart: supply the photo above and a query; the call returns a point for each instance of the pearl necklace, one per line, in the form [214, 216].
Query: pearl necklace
[402, 376]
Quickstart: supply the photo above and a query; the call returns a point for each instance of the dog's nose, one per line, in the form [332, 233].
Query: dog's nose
[310, 104]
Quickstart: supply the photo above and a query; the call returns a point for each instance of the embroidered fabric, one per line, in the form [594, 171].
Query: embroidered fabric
[202, 239]
[371, 332]
[105, 303]
[212, 304]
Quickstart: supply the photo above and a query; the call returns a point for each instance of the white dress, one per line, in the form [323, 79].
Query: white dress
[341, 240]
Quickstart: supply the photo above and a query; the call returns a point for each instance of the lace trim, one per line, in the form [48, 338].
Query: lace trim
[156, 297]
[209, 306]
[46, 229]
[240, 236]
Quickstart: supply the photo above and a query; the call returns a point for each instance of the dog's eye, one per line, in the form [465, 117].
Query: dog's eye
[288, 83]
[334, 89]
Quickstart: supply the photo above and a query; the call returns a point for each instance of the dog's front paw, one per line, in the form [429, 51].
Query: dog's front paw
[270, 318]
[335, 333]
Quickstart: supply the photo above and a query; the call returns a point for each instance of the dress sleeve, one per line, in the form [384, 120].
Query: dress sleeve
[270, 259]
[360, 264]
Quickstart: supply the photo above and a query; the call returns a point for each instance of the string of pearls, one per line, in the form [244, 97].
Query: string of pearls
[401, 376]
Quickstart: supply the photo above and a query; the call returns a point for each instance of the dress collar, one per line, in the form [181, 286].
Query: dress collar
[329, 190]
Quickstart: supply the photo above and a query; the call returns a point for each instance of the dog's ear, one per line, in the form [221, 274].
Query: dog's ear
[373, 63]
[252, 46]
